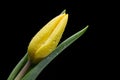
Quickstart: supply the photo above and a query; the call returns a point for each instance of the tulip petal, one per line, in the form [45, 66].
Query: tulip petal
[52, 41]
[45, 35]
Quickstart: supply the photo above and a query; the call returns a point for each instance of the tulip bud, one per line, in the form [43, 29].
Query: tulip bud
[47, 39]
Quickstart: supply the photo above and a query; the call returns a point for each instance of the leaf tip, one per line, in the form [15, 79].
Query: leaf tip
[64, 11]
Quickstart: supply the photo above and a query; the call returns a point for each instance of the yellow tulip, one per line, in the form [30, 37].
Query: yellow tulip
[47, 39]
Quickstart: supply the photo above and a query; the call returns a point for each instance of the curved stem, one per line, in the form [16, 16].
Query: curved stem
[23, 70]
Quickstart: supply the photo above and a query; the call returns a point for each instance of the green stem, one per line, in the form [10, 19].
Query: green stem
[18, 67]
[23, 71]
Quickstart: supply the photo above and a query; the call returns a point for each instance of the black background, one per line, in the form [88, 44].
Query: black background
[21, 20]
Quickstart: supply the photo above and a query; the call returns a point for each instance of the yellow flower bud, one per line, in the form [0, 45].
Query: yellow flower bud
[47, 39]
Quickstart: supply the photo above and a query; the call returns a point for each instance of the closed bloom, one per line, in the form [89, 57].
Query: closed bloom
[47, 39]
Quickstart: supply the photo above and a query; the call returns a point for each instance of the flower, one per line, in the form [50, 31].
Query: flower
[47, 39]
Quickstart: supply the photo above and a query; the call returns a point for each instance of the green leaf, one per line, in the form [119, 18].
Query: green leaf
[18, 67]
[35, 71]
